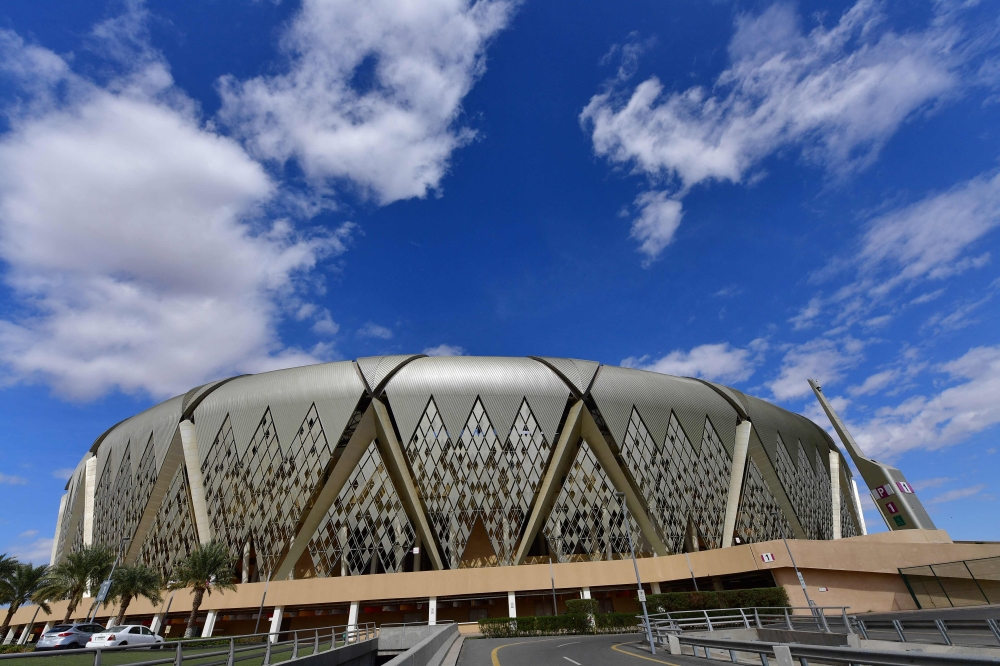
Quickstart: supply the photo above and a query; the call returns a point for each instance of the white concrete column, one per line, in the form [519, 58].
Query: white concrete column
[352, 619]
[585, 593]
[432, 610]
[157, 622]
[511, 605]
[23, 638]
[835, 491]
[90, 488]
[48, 626]
[245, 577]
[416, 554]
[196, 484]
[59, 520]
[276, 615]
[9, 637]
[857, 506]
[110, 622]
[736, 481]
[655, 587]
[206, 631]
[342, 537]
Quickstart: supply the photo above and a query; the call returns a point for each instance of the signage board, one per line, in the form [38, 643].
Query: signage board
[642, 596]
[767, 557]
[102, 594]
[904, 486]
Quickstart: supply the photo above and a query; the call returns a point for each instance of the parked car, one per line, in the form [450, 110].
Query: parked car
[127, 634]
[67, 636]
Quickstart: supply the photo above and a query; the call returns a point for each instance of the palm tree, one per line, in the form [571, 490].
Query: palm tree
[81, 572]
[26, 583]
[7, 566]
[209, 567]
[131, 581]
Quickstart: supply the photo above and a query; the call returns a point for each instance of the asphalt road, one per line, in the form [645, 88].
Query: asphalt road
[618, 650]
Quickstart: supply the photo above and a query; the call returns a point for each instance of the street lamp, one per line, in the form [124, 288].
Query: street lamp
[642, 594]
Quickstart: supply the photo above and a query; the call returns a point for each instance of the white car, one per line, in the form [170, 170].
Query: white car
[129, 634]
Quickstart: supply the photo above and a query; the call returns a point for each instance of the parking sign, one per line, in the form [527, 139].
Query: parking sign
[767, 557]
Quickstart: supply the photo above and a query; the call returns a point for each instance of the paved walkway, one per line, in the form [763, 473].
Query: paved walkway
[616, 650]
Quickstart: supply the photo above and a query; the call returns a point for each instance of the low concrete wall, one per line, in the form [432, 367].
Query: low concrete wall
[431, 651]
[362, 653]
[403, 638]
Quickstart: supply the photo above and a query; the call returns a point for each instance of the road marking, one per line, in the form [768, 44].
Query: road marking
[637, 656]
[572, 662]
[496, 662]
[570, 643]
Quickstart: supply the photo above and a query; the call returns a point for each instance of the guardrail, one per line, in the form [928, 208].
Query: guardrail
[952, 632]
[829, 655]
[265, 646]
[812, 618]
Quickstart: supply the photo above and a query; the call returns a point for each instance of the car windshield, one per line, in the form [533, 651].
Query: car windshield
[114, 629]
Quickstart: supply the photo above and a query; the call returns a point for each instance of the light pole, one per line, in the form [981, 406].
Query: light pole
[101, 597]
[802, 581]
[635, 565]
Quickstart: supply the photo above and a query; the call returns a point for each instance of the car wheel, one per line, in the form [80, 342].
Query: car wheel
[123, 643]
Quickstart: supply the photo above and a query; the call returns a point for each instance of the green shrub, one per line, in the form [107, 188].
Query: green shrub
[542, 625]
[13, 649]
[582, 607]
[615, 623]
[763, 597]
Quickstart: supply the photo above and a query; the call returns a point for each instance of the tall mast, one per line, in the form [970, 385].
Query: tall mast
[892, 494]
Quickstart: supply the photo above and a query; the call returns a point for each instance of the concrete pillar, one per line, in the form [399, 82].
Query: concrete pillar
[206, 631]
[344, 569]
[48, 626]
[352, 617]
[783, 655]
[857, 506]
[196, 484]
[655, 587]
[59, 520]
[432, 610]
[110, 622]
[9, 637]
[276, 615]
[157, 622]
[245, 577]
[416, 554]
[90, 488]
[23, 637]
[736, 481]
[511, 605]
[585, 593]
[835, 491]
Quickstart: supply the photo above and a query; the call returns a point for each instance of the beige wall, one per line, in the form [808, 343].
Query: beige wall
[860, 572]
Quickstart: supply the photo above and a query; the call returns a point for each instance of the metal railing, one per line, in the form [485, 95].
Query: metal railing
[954, 584]
[828, 619]
[828, 655]
[971, 632]
[263, 648]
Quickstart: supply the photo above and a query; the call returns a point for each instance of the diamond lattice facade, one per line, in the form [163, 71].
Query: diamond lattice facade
[404, 463]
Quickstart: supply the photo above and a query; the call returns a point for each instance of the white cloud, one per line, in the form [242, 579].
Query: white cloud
[807, 315]
[874, 383]
[27, 534]
[943, 419]
[822, 359]
[957, 494]
[373, 330]
[915, 242]
[64, 473]
[325, 325]
[924, 484]
[835, 93]
[149, 267]
[658, 220]
[720, 362]
[12, 480]
[372, 94]
[445, 350]
[37, 552]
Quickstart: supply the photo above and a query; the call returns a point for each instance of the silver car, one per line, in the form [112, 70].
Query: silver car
[67, 636]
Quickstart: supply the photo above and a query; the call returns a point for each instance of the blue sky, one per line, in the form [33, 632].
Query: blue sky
[752, 192]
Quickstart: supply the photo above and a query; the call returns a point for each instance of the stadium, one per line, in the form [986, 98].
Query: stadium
[428, 489]
[346, 468]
